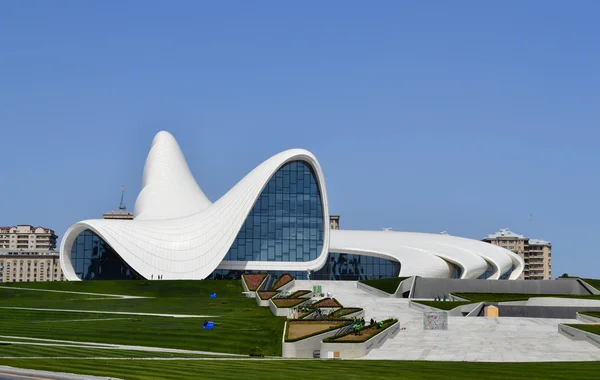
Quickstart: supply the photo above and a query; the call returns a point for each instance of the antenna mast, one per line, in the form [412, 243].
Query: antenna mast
[122, 205]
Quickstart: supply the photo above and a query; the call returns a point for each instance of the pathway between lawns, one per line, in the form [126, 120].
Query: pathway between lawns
[71, 343]
[111, 312]
[71, 292]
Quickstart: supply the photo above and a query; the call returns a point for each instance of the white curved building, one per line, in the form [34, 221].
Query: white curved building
[275, 219]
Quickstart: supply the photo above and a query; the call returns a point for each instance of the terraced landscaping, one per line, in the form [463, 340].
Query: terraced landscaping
[447, 305]
[297, 330]
[388, 285]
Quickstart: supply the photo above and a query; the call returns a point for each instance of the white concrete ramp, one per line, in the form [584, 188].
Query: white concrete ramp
[505, 339]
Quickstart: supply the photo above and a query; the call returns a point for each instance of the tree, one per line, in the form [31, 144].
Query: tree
[564, 275]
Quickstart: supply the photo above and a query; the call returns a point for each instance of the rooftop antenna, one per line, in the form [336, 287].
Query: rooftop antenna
[122, 205]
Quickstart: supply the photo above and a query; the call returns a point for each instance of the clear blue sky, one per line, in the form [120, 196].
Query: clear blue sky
[430, 116]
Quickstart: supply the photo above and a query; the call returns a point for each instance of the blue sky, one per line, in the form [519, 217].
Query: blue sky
[429, 116]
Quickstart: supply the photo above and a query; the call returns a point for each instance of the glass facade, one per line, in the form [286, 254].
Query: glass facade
[456, 271]
[286, 222]
[94, 259]
[488, 272]
[505, 275]
[339, 266]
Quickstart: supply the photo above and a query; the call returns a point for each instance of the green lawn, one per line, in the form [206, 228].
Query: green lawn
[448, 305]
[504, 297]
[591, 328]
[592, 282]
[595, 314]
[388, 285]
[240, 323]
[314, 369]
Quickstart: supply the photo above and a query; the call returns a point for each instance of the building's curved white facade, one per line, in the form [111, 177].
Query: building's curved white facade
[177, 233]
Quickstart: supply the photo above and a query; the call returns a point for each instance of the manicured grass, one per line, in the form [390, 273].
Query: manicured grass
[315, 369]
[593, 282]
[448, 305]
[591, 328]
[504, 297]
[595, 314]
[388, 285]
[240, 323]
[18, 350]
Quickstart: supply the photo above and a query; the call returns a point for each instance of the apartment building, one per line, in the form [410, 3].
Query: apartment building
[29, 266]
[536, 253]
[27, 237]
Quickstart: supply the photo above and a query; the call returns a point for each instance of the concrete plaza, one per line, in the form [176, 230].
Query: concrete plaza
[504, 339]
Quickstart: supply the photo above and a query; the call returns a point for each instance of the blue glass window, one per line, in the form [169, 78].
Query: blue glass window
[339, 266]
[286, 222]
[507, 274]
[94, 259]
[456, 271]
[488, 272]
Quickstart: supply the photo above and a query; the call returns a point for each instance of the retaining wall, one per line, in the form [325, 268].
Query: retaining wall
[304, 348]
[358, 350]
[576, 334]
[374, 291]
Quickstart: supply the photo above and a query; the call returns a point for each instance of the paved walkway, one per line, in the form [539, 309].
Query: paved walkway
[113, 312]
[505, 339]
[11, 373]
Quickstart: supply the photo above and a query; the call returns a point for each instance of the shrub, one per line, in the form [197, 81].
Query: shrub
[282, 280]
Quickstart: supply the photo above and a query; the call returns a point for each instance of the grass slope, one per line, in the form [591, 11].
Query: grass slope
[448, 305]
[240, 323]
[592, 282]
[591, 328]
[318, 369]
[504, 297]
[388, 285]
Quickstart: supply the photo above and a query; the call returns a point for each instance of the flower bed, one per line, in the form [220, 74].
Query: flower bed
[253, 281]
[299, 293]
[287, 302]
[266, 295]
[340, 313]
[282, 280]
[328, 302]
[298, 330]
[365, 334]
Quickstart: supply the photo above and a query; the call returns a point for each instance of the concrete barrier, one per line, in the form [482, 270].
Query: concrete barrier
[304, 348]
[374, 291]
[359, 349]
[261, 302]
[576, 334]
[405, 286]
[587, 318]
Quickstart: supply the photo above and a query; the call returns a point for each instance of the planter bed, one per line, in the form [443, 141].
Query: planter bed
[365, 334]
[281, 281]
[302, 314]
[299, 293]
[253, 281]
[298, 330]
[343, 312]
[266, 295]
[328, 302]
[287, 302]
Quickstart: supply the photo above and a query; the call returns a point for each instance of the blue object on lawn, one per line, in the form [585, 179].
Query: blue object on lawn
[213, 295]
[209, 326]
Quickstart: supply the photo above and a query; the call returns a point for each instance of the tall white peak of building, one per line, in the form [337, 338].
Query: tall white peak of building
[169, 189]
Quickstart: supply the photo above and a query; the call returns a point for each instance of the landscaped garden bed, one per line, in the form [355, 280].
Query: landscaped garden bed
[253, 281]
[281, 281]
[299, 293]
[366, 333]
[328, 302]
[298, 330]
[266, 295]
[340, 313]
[287, 302]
